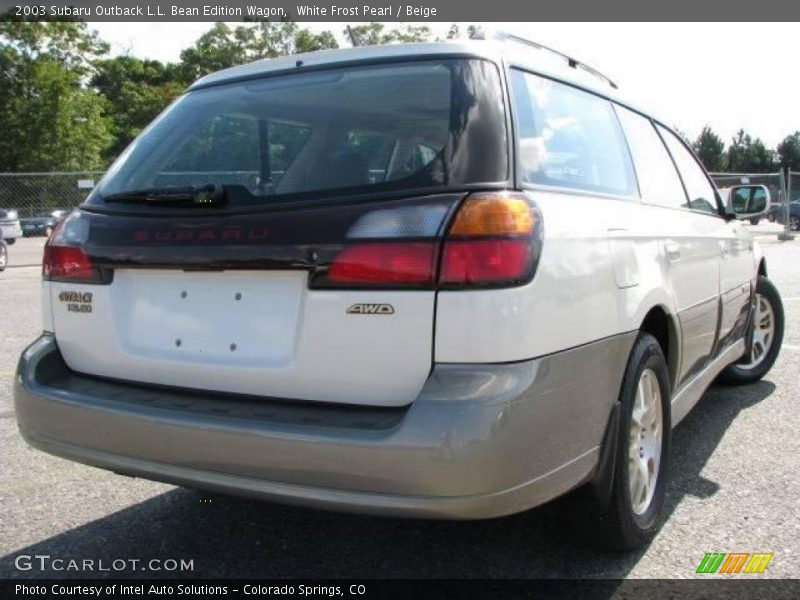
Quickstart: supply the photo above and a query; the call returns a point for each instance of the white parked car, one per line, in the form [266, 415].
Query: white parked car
[446, 280]
[10, 228]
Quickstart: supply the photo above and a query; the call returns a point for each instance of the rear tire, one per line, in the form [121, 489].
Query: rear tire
[3, 256]
[11, 241]
[767, 338]
[755, 221]
[642, 456]
[794, 223]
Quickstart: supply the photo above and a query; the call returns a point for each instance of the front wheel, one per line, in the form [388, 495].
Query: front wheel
[767, 337]
[11, 241]
[640, 466]
[794, 223]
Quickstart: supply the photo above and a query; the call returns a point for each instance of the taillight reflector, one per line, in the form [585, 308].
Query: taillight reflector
[391, 263]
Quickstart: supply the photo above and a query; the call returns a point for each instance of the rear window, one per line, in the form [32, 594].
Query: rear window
[569, 138]
[327, 133]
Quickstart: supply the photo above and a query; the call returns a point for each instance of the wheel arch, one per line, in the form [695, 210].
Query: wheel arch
[762, 267]
[659, 323]
[662, 324]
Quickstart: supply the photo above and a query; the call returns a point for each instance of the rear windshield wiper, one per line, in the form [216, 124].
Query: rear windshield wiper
[203, 196]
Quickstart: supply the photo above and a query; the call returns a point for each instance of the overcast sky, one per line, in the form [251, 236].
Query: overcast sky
[726, 75]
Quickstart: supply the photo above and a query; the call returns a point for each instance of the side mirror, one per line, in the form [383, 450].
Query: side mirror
[748, 201]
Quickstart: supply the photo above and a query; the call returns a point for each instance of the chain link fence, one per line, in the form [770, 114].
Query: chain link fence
[32, 198]
[793, 193]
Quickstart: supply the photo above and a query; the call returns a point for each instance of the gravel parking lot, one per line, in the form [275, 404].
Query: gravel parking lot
[734, 488]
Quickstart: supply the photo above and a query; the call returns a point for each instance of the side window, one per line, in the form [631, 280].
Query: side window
[230, 147]
[700, 191]
[368, 153]
[421, 156]
[285, 143]
[658, 180]
[222, 144]
[569, 138]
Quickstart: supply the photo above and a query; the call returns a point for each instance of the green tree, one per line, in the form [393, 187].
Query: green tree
[49, 119]
[373, 34]
[307, 41]
[137, 91]
[789, 151]
[749, 155]
[711, 150]
[223, 47]
[454, 33]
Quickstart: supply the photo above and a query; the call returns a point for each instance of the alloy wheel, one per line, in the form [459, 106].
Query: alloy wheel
[763, 333]
[644, 450]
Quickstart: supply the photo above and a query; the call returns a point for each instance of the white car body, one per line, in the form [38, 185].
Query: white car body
[478, 402]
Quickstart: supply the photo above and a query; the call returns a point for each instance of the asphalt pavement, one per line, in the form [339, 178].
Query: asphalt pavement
[734, 488]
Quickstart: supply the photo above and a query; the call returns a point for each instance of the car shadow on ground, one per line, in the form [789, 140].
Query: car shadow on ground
[231, 537]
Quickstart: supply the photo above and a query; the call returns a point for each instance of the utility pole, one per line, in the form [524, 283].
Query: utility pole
[786, 175]
[353, 37]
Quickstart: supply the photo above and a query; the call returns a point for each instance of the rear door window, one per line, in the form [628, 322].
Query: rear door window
[659, 182]
[702, 196]
[569, 138]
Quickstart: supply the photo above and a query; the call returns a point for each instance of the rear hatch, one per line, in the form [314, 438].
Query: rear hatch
[280, 237]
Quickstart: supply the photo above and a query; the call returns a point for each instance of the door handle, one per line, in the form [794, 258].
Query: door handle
[673, 251]
[723, 248]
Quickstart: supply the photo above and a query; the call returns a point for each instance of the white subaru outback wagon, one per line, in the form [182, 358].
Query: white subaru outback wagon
[448, 280]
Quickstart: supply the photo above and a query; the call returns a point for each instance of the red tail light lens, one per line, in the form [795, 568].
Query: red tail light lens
[66, 263]
[385, 263]
[65, 260]
[485, 261]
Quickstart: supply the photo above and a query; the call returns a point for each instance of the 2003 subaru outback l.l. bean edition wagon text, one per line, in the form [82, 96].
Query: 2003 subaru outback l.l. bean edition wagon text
[442, 280]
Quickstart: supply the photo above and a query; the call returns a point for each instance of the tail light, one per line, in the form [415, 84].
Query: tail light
[64, 258]
[494, 241]
[411, 263]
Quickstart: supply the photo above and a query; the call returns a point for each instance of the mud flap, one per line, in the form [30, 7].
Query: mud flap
[602, 483]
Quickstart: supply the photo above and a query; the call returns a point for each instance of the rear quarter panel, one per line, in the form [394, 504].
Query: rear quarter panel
[574, 298]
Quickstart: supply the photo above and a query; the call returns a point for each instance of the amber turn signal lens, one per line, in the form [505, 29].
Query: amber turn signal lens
[494, 214]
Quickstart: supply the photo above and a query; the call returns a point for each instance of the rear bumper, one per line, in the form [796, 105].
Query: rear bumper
[479, 441]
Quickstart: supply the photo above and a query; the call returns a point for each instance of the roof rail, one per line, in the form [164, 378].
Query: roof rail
[504, 36]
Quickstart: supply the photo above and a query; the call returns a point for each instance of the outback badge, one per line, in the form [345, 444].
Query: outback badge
[80, 302]
[371, 309]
